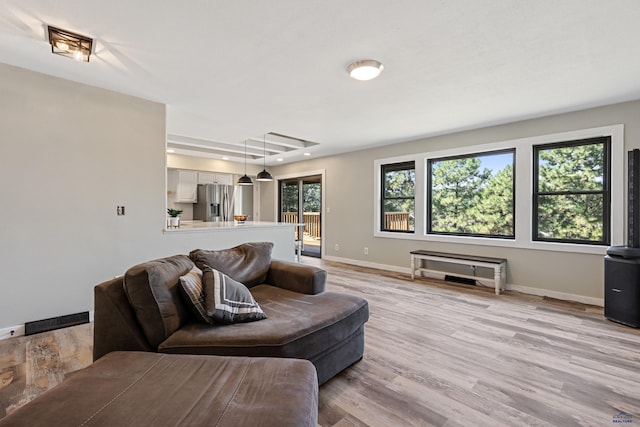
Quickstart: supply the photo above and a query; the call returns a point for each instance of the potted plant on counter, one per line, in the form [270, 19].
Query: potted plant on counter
[174, 220]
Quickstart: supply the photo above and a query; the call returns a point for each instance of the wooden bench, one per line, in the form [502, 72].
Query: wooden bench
[499, 265]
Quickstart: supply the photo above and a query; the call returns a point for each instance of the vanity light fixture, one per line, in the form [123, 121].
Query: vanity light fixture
[69, 44]
[244, 179]
[264, 175]
[365, 69]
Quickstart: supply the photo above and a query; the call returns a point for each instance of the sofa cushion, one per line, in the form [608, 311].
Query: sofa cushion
[152, 291]
[247, 263]
[193, 293]
[297, 325]
[228, 301]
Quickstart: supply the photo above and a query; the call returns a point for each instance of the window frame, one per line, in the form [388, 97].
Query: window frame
[394, 167]
[450, 145]
[605, 192]
[429, 195]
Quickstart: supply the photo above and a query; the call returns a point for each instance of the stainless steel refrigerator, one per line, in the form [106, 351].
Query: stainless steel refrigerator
[215, 203]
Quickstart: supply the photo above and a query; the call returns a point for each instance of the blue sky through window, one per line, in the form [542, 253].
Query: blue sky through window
[496, 162]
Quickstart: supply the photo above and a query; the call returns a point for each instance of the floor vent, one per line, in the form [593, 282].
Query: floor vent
[462, 280]
[59, 322]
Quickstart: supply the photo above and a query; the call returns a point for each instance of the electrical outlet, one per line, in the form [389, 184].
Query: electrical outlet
[337, 247]
[366, 251]
[120, 210]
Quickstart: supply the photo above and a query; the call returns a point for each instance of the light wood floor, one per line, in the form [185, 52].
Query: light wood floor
[452, 355]
[436, 354]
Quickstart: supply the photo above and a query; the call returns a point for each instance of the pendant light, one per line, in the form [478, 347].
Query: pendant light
[244, 179]
[264, 175]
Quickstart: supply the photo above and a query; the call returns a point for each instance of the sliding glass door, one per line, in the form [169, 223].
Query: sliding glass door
[301, 203]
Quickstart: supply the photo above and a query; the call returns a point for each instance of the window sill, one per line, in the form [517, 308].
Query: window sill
[497, 242]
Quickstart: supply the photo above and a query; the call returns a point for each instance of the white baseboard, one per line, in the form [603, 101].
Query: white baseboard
[367, 264]
[18, 331]
[11, 332]
[557, 295]
[511, 287]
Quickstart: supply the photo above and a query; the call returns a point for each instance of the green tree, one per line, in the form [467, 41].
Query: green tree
[456, 192]
[496, 204]
[311, 197]
[571, 205]
[290, 197]
[470, 199]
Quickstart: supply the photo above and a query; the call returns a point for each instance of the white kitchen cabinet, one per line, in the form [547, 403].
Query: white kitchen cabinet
[206, 178]
[215, 178]
[187, 186]
[224, 178]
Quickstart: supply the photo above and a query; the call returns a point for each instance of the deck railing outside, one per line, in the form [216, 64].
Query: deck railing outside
[392, 221]
[396, 220]
[311, 221]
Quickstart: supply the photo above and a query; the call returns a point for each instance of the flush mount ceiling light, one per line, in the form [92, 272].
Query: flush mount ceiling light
[244, 179]
[264, 175]
[366, 69]
[69, 44]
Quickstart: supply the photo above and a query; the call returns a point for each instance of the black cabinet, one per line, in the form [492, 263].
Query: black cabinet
[622, 289]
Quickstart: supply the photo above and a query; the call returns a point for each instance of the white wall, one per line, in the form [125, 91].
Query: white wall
[350, 197]
[70, 154]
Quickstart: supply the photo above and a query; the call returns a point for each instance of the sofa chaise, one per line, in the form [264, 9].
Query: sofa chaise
[145, 311]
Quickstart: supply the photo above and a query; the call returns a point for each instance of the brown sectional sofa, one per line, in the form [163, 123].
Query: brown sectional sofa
[142, 316]
[144, 311]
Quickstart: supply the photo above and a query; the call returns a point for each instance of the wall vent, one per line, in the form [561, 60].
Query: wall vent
[59, 322]
[462, 280]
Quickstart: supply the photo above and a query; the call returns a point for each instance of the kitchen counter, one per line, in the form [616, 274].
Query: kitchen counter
[228, 225]
[221, 235]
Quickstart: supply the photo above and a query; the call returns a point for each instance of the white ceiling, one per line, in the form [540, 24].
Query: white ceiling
[233, 70]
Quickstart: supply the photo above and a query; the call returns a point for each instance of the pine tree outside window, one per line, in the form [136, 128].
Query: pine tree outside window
[571, 192]
[472, 195]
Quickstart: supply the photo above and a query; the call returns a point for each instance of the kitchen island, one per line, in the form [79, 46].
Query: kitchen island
[221, 235]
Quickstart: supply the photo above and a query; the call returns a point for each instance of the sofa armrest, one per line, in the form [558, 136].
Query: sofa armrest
[115, 326]
[305, 279]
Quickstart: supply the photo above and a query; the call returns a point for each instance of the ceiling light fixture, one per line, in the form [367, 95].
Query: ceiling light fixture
[69, 44]
[170, 150]
[264, 175]
[365, 69]
[244, 179]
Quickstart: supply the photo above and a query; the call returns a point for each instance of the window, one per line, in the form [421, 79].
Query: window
[472, 195]
[398, 197]
[571, 192]
[522, 210]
